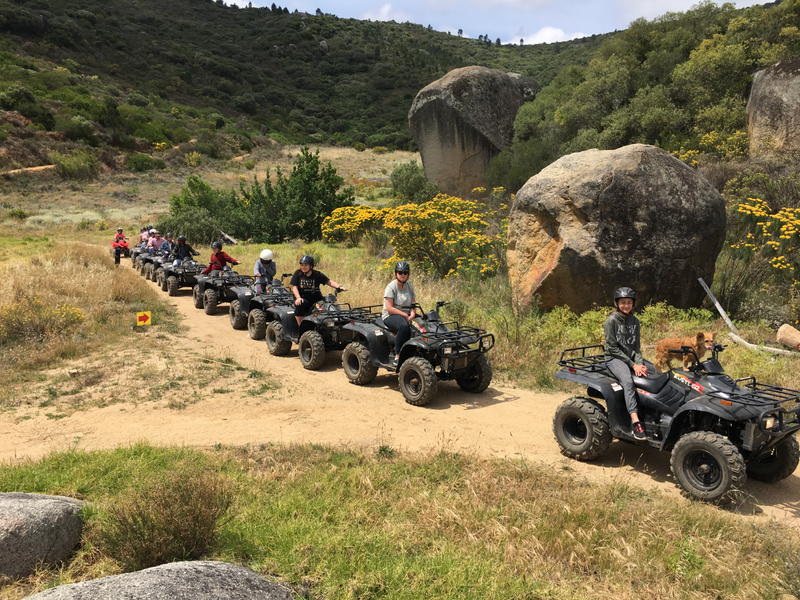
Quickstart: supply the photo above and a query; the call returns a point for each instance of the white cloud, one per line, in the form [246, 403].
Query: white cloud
[547, 35]
[387, 13]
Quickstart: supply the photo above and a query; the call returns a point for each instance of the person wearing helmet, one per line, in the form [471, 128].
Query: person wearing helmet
[264, 270]
[119, 235]
[305, 287]
[168, 245]
[182, 251]
[219, 260]
[144, 235]
[155, 241]
[398, 306]
[624, 352]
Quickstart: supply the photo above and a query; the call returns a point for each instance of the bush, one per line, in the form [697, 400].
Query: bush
[136, 99]
[249, 164]
[78, 128]
[195, 223]
[359, 147]
[381, 150]
[144, 162]
[76, 165]
[17, 213]
[30, 319]
[411, 185]
[15, 96]
[173, 517]
[193, 159]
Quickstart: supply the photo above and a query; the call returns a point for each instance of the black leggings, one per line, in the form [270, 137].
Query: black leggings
[398, 325]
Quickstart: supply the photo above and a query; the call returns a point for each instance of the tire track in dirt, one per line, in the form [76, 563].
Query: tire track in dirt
[323, 407]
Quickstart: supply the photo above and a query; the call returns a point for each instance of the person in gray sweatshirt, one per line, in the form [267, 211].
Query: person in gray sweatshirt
[624, 352]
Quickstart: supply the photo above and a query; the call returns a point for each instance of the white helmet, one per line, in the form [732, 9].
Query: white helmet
[266, 254]
[154, 232]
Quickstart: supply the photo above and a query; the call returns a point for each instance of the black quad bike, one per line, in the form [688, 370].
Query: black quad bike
[719, 430]
[323, 330]
[437, 351]
[249, 310]
[173, 277]
[210, 291]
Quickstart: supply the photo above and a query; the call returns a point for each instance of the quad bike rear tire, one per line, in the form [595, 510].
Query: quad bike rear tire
[477, 377]
[238, 320]
[777, 465]
[581, 428]
[148, 271]
[197, 297]
[256, 324]
[210, 301]
[172, 285]
[161, 279]
[276, 345]
[707, 466]
[417, 380]
[357, 365]
[311, 350]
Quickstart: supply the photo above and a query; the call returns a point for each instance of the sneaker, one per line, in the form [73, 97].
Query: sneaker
[638, 431]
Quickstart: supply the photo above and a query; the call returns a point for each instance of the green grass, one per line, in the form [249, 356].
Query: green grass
[346, 524]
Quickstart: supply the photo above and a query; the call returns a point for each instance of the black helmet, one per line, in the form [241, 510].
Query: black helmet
[149, 227]
[624, 292]
[307, 259]
[402, 266]
[143, 229]
[216, 245]
[181, 238]
[169, 234]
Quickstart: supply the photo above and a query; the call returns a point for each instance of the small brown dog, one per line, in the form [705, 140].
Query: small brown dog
[701, 343]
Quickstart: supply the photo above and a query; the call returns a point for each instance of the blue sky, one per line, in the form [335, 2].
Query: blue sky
[535, 21]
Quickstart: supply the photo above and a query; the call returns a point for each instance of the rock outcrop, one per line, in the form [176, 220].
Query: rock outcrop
[201, 580]
[597, 220]
[34, 528]
[461, 121]
[773, 109]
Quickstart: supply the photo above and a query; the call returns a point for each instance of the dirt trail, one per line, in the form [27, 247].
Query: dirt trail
[322, 407]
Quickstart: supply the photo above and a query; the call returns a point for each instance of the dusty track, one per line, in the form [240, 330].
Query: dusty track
[322, 407]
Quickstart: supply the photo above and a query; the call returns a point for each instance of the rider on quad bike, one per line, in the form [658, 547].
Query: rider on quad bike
[624, 352]
[399, 306]
[305, 287]
[219, 259]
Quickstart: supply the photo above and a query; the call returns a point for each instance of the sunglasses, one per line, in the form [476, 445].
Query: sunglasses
[402, 272]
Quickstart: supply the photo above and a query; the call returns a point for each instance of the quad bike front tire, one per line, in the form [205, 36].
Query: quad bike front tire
[197, 297]
[707, 466]
[357, 364]
[161, 279]
[238, 320]
[417, 381]
[778, 464]
[311, 350]
[581, 428]
[477, 377]
[210, 301]
[172, 285]
[148, 271]
[257, 324]
[276, 345]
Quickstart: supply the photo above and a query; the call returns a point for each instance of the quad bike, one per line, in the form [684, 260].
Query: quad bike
[323, 330]
[173, 277]
[719, 430]
[210, 290]
[436, 351]
[250, 309]
[120, 248]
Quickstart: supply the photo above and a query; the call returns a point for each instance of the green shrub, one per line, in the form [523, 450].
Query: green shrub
[249, 164]
[17, 213]
[15, 96]
[411, 185]
[78, 128]
[76, 165]
[196, 224]
[144, 162]
[359, 146]
[381, 150]
[175, 516]
[136, 99]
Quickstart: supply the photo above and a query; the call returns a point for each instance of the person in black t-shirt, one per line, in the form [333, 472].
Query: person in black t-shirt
[305, 287]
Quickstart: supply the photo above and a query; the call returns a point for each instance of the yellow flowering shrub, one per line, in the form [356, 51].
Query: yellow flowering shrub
[350, 223]
[34, 320]
[447, 236]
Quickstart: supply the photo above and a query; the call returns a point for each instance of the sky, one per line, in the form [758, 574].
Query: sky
[534, 21]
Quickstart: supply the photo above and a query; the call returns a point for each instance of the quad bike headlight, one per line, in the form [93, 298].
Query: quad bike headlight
[486, 342]
[447, 350]
[770, 421]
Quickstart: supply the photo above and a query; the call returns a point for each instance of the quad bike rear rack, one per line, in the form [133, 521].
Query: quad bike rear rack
[592, 362]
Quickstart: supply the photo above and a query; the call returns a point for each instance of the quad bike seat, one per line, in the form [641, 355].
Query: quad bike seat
[653, 382]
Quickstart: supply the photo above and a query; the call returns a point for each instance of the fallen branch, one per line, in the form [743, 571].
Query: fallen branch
[735, 338]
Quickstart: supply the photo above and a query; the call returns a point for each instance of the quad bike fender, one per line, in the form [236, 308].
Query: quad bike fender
[701, 404]
[244, 296]
[597, 386]
[375, 339]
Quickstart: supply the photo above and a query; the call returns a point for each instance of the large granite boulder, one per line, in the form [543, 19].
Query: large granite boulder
[200, 580]
[773, 109]
[461, 121]
[35, 527]
[597, 220]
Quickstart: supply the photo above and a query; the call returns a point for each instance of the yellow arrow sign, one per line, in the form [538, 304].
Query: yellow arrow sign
[143, 318]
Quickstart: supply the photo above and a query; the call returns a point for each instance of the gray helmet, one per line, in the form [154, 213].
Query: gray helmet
[169, 234]
[119, 229]
[181, 238]
[402, 266]
[624, 292]
[307, 259]
[216, 245]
